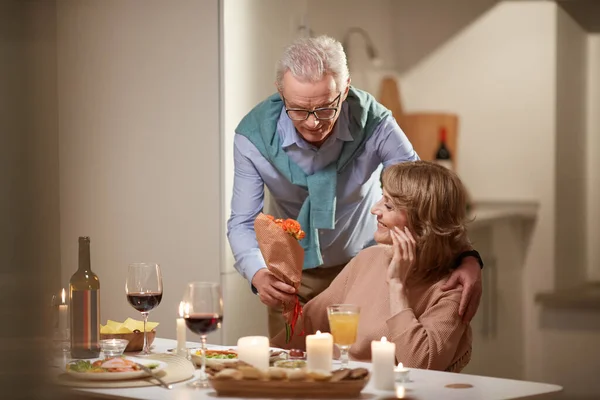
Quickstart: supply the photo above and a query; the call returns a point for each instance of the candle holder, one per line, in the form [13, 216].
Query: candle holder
[61, 333]
[401, 374]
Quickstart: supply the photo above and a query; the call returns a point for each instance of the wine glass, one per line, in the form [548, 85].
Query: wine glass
[343, 322]
[203, 314]
[144, 291]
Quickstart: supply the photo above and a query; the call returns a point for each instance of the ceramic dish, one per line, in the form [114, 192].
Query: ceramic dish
[111, 369]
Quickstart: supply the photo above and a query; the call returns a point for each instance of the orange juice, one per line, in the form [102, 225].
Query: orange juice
[343, 327]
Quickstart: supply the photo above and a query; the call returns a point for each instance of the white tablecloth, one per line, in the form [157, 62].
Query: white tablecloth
[424, 385]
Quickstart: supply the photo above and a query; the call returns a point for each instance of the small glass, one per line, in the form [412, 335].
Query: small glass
[343, 322]
[203, 314]
[113, 347]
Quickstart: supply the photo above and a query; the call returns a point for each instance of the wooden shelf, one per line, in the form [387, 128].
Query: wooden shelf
[586, 296]
[488, 212]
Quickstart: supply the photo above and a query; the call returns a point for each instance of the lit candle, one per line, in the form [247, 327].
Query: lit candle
[319, 351]
[254, 350]
[383, 359]
[401, 373]
[63, 313]
[181, 329]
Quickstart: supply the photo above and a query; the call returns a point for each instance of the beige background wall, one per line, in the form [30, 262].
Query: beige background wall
[139, 144]
[571, 84]
[593, 156]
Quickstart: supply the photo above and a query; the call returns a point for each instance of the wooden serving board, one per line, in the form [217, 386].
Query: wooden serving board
[289, 389]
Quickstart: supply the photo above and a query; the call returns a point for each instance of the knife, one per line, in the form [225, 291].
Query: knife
[152, 374]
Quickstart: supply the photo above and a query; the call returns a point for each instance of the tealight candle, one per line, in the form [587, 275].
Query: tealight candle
[254, 350]
[383, 359]
[401, 373]
[319, 351]
[181, 332]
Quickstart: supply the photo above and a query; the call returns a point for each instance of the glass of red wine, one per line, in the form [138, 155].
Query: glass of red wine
[203, 314]
[144, 291]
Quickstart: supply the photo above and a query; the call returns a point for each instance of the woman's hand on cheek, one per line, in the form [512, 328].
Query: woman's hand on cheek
[403, 258]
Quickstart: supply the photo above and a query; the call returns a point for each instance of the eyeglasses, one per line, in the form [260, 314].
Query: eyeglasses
[324, 113]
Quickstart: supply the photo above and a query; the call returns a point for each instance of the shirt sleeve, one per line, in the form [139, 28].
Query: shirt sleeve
[314, 313]
[392, 145]
[246, 203]
[431, 341]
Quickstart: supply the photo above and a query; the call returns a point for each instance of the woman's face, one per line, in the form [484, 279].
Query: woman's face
[388, 216]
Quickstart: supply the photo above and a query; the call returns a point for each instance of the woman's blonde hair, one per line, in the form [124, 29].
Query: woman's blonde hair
[435, 202]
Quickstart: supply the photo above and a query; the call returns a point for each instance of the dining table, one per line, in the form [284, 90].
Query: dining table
[423, 384]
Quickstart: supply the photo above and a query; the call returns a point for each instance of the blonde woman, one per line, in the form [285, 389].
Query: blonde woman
[398, 283]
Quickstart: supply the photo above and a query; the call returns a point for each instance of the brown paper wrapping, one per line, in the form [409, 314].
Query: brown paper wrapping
[282, 253]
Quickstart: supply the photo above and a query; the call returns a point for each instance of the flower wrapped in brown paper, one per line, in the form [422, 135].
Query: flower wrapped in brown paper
[278, 243]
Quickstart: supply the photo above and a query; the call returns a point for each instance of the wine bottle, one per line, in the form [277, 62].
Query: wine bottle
[84, 290]
[443, 156]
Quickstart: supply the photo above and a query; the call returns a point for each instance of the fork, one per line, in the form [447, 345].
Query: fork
[152, 374]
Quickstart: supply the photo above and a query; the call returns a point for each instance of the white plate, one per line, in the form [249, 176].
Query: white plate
[197, 358]
[114, 376]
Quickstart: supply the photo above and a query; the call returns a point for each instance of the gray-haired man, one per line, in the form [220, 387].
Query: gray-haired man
[319, 146]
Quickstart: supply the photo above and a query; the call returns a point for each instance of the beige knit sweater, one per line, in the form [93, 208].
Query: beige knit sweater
[429, 334]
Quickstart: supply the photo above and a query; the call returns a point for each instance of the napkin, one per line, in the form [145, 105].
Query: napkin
[128, 326]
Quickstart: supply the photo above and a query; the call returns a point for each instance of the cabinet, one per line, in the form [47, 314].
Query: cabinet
[500, 233]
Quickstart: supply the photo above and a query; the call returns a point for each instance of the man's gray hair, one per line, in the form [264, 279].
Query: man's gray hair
[311, 59]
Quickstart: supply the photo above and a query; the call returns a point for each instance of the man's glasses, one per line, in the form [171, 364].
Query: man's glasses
[325, 113]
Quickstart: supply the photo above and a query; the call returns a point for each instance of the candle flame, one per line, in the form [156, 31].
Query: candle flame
[400, 365]
[184, 309]
[63, 295]
[384, 339]
[318, 332]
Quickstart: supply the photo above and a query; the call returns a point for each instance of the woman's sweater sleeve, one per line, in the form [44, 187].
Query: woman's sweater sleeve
[431, 341]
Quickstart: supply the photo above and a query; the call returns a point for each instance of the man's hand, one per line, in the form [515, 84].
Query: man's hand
[271, 290]
[468, 274]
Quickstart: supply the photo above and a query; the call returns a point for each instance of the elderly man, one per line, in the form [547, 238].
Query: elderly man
[319, 146]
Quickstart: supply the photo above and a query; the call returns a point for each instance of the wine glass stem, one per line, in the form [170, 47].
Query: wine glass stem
[203, 369]
[145, 318]
[344, 357]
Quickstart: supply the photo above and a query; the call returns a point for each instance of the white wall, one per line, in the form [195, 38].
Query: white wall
[505, 100]
[255, 34]
[139, 144]
[593, 156]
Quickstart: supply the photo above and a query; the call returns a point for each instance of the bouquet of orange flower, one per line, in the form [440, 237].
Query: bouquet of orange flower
[278, 243]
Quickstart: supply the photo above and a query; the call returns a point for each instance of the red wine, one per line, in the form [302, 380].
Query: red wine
[144, 302]
[443, 156]
[203, 324]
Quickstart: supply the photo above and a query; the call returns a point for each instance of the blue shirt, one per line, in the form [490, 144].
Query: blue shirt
[358, 188]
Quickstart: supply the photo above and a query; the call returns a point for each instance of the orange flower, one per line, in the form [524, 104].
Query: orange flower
[291, 226]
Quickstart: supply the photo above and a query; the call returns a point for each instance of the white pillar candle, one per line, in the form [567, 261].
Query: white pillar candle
[254, 350]
[383, 359]
[319, 351]
[181, 332]
[63, 313]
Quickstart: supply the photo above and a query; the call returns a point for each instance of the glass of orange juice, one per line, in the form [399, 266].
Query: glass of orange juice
[343, 322]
